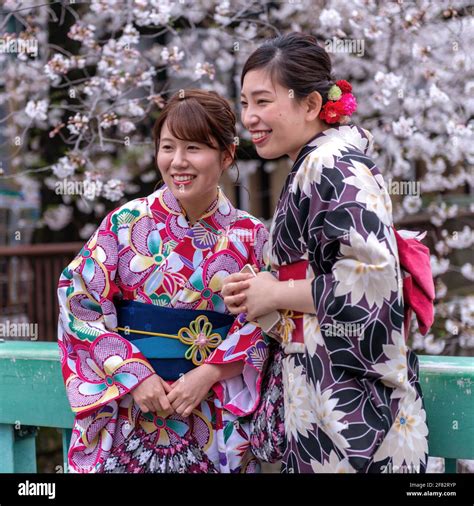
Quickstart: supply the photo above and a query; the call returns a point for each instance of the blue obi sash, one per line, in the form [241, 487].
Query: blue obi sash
[173, 340]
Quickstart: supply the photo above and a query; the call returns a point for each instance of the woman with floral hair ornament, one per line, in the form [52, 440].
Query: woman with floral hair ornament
[160, 375]
[352, 398]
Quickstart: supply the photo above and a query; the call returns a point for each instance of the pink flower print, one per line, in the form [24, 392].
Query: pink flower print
[105, 371]
[145, 252]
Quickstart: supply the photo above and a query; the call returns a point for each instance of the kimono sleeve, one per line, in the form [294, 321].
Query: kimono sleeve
[357, 289]
[98, 365]
[245, 342]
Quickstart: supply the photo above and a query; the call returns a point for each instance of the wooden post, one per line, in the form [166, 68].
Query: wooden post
[7, 445]
[66, 437]
[25, 450]
[450, 465]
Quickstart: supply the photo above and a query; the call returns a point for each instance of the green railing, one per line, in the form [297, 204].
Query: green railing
[32, 395]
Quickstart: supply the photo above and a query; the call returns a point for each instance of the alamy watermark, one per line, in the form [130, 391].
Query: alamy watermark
[408, 188]
[403, 469]
[36, 489]
[343, 329]
[18, 45]
[242, 235]
[350, 46]
[16, 329]
[89, 189]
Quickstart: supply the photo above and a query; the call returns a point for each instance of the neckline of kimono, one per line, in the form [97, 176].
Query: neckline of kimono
[309, 144]
[208, 213]
[306, 149]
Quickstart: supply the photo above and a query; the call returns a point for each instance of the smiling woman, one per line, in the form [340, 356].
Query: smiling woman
[157, 371]
[281, 97]
[195, 142]
[352, 399]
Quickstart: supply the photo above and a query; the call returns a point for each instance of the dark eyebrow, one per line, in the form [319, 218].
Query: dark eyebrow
[257, 92]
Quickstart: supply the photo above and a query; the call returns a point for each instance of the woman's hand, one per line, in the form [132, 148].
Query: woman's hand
[150, 395]
[261, 296]
[187, 392]
[232, 291]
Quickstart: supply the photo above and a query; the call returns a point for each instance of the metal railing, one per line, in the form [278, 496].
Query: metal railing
[32, 394]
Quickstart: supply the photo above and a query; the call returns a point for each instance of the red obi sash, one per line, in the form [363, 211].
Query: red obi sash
[292, 320]
[418, 287]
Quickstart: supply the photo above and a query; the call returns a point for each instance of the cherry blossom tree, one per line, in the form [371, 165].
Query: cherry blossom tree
[82, 83]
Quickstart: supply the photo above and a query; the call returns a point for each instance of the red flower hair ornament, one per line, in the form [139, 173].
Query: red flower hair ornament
[340, 105]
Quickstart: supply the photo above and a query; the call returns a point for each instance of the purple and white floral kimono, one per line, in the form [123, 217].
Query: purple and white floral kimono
[353, 402]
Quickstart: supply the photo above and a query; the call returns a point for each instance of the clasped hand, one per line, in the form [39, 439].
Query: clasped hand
[155, 395]
[246, 293]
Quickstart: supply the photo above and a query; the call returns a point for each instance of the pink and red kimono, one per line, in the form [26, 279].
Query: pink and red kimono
[146, 251]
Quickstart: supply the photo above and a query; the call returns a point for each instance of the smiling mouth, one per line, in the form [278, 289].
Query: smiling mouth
[260, 136]
[183, 179]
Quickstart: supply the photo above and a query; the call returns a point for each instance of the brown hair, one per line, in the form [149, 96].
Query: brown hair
[199, 116]
[297, 62]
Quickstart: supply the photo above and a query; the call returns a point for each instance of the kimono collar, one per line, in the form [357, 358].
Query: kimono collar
[219, 215]
[351, 135]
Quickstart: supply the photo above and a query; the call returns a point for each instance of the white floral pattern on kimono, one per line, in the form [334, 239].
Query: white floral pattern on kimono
[353, 402]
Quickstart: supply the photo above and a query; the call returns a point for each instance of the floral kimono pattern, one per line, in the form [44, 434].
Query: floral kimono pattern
[146, 251]
[353, 402]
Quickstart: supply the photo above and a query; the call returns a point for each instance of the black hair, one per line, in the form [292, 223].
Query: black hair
[297, 62]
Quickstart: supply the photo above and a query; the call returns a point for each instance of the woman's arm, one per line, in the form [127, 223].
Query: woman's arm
[239, 361]
[92, 353]
[220, 372]
[294, 294]
[266, 294]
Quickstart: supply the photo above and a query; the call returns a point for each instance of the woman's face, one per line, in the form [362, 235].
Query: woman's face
[191, 170]
[277, 121]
